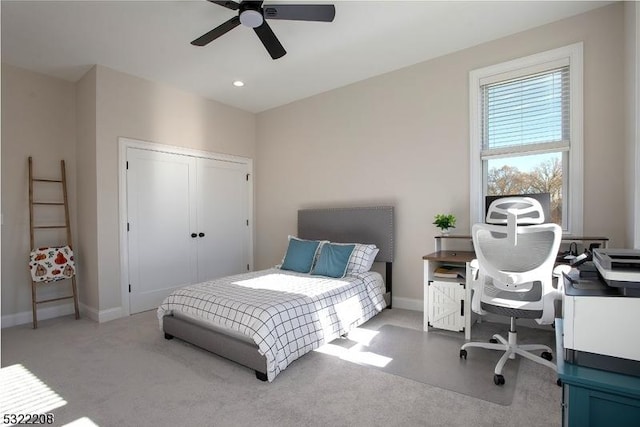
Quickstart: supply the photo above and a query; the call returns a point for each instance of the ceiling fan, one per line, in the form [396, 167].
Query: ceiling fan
[252, 14]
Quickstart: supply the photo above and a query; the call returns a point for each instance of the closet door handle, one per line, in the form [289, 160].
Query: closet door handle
[194, 235]
[201, 234]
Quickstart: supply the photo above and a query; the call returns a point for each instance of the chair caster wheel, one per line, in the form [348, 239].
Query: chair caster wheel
[498, 379]
[493, 341]
[463, 354]
[559, 382]
[547, 356]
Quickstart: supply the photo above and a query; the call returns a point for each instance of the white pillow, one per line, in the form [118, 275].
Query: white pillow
[361, 258]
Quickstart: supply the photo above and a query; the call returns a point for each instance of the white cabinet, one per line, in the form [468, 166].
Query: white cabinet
[187, 221]
[447, 302]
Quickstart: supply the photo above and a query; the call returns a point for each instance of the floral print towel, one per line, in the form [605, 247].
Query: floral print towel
[51, 264]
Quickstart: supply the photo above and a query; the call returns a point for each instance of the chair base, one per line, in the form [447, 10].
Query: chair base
[511, 348]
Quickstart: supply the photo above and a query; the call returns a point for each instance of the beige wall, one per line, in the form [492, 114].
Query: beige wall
[38, 120]
[87, 190]
[636, 87]
[632, 118]
[630, 113]
[128, 106]
[402, 138]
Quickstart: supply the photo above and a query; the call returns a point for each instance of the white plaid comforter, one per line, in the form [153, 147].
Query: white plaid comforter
[287, 314]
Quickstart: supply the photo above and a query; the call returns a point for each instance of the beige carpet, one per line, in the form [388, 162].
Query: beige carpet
[124, 373]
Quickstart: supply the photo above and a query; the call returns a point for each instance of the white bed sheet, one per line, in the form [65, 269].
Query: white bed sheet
[287, 314]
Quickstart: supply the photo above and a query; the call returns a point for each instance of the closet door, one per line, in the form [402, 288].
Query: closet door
[223, 212]
[161, 211]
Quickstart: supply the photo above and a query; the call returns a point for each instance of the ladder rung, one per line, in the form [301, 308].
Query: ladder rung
[53, 299]
[47, 180]
[50, 226]
[49, 203]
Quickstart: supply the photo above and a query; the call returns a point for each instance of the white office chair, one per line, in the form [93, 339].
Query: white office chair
[514, 268]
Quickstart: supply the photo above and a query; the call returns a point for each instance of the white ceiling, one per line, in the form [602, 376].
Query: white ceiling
[151, 39]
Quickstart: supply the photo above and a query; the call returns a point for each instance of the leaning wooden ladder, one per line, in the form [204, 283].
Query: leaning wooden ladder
[33, 228]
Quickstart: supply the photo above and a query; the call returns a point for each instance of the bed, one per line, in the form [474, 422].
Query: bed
[266, 319]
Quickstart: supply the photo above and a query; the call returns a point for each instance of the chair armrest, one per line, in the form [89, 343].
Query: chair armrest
[558, 272]
[474, 267]
[476, 283]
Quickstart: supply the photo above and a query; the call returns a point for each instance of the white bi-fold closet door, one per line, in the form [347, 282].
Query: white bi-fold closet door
[188, 222]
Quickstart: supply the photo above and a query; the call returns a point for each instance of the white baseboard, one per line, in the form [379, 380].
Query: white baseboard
[103, 315]
[408, 303]
[45, 313]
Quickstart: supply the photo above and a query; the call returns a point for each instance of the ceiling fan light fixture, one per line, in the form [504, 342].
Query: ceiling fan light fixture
[251, 18]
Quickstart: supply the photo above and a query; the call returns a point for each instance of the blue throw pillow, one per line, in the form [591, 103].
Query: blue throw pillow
[333, 260]
[300, 255]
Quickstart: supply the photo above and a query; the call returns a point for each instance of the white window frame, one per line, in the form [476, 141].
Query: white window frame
[573, 171]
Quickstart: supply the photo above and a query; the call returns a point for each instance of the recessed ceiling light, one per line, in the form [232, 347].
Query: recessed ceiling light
[238, 83]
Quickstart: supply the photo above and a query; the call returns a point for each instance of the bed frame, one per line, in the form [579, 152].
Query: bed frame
[342, 225]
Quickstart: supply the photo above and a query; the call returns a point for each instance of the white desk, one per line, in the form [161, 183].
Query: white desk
[447, 302]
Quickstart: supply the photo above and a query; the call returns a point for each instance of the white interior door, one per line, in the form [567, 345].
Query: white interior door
[223, 212]
[161, 210]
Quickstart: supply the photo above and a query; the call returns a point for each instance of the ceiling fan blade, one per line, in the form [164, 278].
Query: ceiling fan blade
[217, 32]
[301, 12]
[270, 41]
[226, 3]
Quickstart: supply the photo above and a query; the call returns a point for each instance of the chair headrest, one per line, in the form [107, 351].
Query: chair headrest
[524, 210]
[513, 212]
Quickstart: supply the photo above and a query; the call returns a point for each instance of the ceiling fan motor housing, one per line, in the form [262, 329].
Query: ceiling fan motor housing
[251, 14]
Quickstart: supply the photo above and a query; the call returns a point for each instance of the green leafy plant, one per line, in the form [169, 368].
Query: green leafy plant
[445, 221]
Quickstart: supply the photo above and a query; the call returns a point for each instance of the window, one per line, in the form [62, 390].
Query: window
[526, 132]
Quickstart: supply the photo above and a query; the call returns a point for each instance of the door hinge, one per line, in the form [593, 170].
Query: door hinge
[247, 223]
[248, 177]
[247, 267]
[127, 226]
[127, 165]
[461, 307]
[129, 287]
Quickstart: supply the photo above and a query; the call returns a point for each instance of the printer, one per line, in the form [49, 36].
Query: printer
[601, 310]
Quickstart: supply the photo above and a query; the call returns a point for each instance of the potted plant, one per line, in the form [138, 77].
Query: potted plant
[444, 222]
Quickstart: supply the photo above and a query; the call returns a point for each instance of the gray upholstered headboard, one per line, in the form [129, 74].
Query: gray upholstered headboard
[353, 225]
[350, 225]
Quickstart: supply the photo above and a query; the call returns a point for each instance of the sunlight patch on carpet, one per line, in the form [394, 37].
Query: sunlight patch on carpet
[21, 392]
[354, 349]
[355, 354]
[81, 422]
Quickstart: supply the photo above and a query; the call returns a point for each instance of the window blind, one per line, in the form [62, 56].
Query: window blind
[526, 114]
